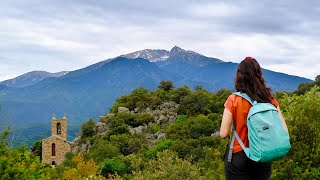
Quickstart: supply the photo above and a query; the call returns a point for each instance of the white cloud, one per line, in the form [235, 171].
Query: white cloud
[213, 10]
[58, 36]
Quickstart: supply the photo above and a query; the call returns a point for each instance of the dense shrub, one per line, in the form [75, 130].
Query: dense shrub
[88, 129]
[102, 149]
[111, 166]
[160, 146]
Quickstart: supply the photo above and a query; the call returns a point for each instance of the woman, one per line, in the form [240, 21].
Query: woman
[248, 80]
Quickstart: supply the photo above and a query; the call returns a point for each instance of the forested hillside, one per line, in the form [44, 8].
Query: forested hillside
[169, 133]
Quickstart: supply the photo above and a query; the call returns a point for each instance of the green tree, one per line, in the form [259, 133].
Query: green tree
[36, 149]
[166, 85]
[19, 163]
[139, 97]
[180, 93]
[317, 79]
[160, 146]
[102, 150]
[128, 143]
[302, 114]
[88, 129]
[199, 88]
[112, 166]
[168, 166]
[218, 100]
[197, 102]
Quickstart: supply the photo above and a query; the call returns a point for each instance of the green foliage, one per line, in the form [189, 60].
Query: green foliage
[199, 88]
[127, 118]
[161, 145]
[127, 143]
[153, 128]
[199, 126]
[68, 162]
[212, 165]
[88, 129]
[304, 87]
[302, 114]
[180, 93]
[215, 118]
[181, 119]
[144, 118]
[281, 94]
[36, 149]
[3, 140]
[102, 149]
[166, 85]
[197, 102]
[138, 98]
[111, 166]
[118, 124]
[192, 127]
[219, 98]
[19, 163]
[168, 166]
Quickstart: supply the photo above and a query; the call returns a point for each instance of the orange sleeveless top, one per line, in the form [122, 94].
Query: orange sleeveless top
[239, 108]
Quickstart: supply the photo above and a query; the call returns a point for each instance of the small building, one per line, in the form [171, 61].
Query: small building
[56, 146]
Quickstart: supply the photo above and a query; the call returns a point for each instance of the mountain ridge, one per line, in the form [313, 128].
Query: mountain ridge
[31, 78]
[91, 91]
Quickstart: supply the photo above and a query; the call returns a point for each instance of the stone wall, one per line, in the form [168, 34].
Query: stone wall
[62, 147]
[63, 123]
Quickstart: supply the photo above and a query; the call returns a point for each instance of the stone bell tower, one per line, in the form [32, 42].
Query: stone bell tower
[56, 146]
[59, 127]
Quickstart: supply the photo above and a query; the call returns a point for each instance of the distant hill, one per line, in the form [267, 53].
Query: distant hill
[31, 78]
[91, 91]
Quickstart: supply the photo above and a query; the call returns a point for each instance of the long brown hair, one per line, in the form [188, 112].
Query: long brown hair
[249, 80]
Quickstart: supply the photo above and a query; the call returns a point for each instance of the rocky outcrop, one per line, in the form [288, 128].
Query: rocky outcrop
[102, 128]
[164, 113]
[122, 109]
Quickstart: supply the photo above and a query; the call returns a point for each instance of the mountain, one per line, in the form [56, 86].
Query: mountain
[175, 54]
[149, 54]
[91, 91]
[31, 78]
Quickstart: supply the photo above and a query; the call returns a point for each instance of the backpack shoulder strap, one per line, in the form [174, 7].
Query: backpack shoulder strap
[245, 96]
[235, 135]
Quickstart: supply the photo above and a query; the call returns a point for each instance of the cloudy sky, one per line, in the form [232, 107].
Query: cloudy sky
[63, 35]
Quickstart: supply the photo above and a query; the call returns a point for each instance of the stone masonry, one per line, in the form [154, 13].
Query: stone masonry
[56, 146]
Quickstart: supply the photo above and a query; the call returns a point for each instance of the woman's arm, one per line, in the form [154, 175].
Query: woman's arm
[283, 121]
[226, 123]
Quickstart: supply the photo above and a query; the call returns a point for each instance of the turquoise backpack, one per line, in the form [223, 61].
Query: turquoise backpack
[268, 139]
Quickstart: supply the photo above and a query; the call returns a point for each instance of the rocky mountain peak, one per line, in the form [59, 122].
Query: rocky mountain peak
[153, 55]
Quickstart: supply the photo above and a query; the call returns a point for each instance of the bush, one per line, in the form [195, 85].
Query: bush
[161, 145]
[111, 166]
[128, 143]
[197, 102]
[191, 127]
[180, 93]
[144, 118]
[166, 85]
[88, 129]
[101, 150]
[168, 166]
[303, 120]
[153, 128]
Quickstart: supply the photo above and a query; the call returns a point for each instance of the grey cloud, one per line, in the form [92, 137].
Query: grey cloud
[88, 31]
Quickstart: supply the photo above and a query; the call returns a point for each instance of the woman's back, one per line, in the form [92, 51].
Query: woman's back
[239, 108]
[249, 80]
